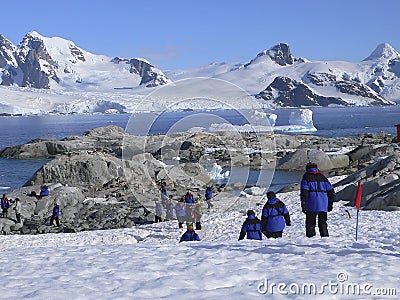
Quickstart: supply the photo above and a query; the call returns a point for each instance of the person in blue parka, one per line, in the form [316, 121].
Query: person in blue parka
[274, 217]
[317, 196]
[44, 191]
[189, 197]
[208, 195]
[190, 234]
[252, 227]
[180, 211]
[56, 214]
[164, 196]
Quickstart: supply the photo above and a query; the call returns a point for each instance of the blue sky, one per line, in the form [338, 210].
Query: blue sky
[181, 34]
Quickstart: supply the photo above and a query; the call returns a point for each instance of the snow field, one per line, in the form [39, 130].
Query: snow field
[147, 262]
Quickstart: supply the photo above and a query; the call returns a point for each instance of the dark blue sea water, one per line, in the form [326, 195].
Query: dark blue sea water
[330, 122]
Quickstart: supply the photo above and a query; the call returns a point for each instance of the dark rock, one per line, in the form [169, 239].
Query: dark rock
[295, 94]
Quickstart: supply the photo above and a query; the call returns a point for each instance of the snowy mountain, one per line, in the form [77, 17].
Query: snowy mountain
[52, 75]
[56, 63]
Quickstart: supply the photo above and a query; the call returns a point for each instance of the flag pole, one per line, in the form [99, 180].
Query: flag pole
[357, 204]
[358, 212]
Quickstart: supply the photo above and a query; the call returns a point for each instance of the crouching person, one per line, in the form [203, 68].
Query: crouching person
[189, 235]
[275, 216]
[252, 227]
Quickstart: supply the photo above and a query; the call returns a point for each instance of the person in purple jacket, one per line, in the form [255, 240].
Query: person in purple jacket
[317, 196]
[274, 217]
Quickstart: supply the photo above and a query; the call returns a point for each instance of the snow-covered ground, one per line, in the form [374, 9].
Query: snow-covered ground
[147, 262]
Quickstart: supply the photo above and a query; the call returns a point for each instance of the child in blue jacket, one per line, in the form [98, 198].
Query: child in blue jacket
[275, 216]
[252, 227]
[189, 235]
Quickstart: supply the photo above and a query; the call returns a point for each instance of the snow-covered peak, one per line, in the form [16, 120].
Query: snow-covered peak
[385, 51]
[34, 34]
[278, 54]
[6, 52]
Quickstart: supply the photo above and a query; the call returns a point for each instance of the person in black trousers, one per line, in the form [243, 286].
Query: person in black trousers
[317, 196]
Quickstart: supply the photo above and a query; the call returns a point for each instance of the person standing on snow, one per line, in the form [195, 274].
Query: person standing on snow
[180, 211]
[252, 227]
[169, 212]
[197, 213]
[317, 196]
[274, 217]
[158, 213]
[189, 200]
[190, 234]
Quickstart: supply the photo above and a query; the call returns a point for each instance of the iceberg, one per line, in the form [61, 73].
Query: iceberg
[300, 121]
[217, 174]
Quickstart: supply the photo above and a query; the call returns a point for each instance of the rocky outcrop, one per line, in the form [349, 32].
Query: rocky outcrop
[350, 86]
[380, 184]
[358, 89]
[151, 76]
[98, 189]
[285, 91]
[298, 159]
[6, 52]
[279, 54]
[35, 62]
[107, 139]
[78, 213]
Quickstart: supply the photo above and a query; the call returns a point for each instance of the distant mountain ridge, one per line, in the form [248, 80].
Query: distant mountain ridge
[46, 63]
[82, 81]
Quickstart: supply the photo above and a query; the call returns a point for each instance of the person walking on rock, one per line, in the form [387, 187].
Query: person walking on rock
[17, 209]
[208, 195]
[5, 204]
[274, 217]
[317, 196]
[55, 215]
[251, 227]
[190, 234]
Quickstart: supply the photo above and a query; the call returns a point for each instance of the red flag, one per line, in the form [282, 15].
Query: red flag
[357, 201]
